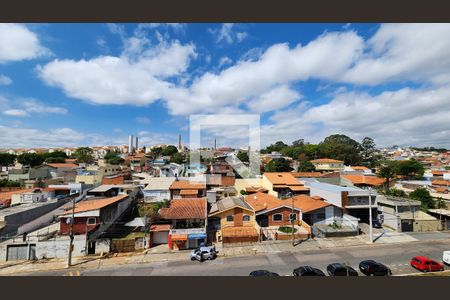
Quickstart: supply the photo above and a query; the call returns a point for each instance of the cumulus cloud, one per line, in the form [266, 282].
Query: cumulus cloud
[18, 43]
[29, 137]
[15, 112]
[406, 117]
[143, 120]
[5, 80]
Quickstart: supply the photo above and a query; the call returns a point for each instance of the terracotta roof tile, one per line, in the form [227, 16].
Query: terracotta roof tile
[88, 205]
[281, 178]
[160, 227]
[440, 182]
[307, 204]
[187, 208]
[326, 161]
[63, 165]
[186, 185]
[369, 180]
[307, 174]
[242, 231]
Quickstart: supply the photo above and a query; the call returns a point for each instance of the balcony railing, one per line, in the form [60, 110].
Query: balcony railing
[188, 231]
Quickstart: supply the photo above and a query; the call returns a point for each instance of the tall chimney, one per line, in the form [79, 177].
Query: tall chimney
[215, 144]
[130, 144]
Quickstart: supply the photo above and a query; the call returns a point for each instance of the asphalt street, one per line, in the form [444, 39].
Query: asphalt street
[396, 256]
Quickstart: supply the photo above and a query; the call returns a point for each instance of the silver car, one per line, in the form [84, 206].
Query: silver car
[203, 253]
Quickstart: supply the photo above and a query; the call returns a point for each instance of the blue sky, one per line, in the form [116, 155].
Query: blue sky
[93, 84]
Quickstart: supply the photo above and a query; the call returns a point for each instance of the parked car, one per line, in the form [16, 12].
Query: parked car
[426, 264]
[202, 253]
[307, 271]
[376, 224]
[373, 268]
[339, 269]
[446, 257]
[263, 273]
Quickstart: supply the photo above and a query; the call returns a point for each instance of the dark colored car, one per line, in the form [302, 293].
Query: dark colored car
[338, 269]
[373, 268]
[263, 273]
[426, 264]
[307, 271]
[376, 224]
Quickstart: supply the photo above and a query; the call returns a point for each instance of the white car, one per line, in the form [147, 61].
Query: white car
[446, 257]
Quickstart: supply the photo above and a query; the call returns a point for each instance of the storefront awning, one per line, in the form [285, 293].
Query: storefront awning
[179, 237]
[197, 236]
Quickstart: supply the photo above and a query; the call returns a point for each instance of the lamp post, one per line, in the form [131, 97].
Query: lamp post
[370, 215]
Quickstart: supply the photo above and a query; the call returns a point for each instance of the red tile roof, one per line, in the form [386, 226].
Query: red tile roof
[187, 208]
[308, 204]
[326, 161]
[186, 185]
[307, 174]
[160, 227]
[440, 182]
[63, 165]
[88, 205]
[369, 180]
[281, 178]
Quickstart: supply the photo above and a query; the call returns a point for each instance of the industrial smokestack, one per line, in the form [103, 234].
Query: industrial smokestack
[130, 144]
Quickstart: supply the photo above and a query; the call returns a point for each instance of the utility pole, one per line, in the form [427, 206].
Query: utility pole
[370, 215]
[69, 261]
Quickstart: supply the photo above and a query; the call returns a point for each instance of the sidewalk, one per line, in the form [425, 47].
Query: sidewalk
[161, 254]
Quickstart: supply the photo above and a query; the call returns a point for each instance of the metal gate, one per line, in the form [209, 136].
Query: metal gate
[21, 252]
[407, 225]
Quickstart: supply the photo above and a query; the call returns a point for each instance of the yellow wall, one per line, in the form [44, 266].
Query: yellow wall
[269, 186]
[225, 223]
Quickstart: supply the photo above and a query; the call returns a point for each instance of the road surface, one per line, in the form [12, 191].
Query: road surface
[396, 256]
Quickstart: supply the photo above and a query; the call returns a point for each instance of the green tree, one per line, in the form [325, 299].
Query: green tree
[306, 166]
[156, 152]
[243, 156]
[341, 147]
[387, 170]
[440, 203]
[110, 154]
[6, 160]
[53, 160]
[411, 168]
[169, 150]
[243, 192]
[177, 158]
[116, 160]
[84, 155]
[9, 183]
[396, 193]
[57, 153]
[30, 159]
[278, 165]
[423, 195]
[278, 146]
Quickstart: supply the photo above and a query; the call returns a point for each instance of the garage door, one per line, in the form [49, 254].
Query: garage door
[407, 225]
[17, 252]
[160, 237]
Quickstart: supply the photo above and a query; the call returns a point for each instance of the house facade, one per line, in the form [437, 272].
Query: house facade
[328, 164]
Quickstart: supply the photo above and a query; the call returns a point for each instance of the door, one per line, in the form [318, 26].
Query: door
[160, 237]
[407, 225]
[91, 247]
[17, 252]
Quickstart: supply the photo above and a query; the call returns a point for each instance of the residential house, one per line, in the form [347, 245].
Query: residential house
[404, 215]
[328, 164]
[66, 171]
[27, 173]
[362, 181]
[157, 188]
[187, 219]
[110, 190]
[187, 189]
[358, 169]
[233, 220]
[441, 186]
[283, 184]
[354, 200]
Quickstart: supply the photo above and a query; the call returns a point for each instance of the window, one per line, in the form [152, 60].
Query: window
[292, 217]
[320, 216]
[91, 221]
[230, 218]
[246, 218]
[277, 217]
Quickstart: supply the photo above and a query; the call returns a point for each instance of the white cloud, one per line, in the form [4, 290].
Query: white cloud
[22, 107]
[136, 77]
[18, 43]
[274, 99]
[225, 61]
[226, 34]
[30, 137]
[143, 120]
[5, 80]
[405, 117]
[404, 52]
[15, 112]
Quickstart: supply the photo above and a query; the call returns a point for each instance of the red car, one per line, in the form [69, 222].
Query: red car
[426, 264]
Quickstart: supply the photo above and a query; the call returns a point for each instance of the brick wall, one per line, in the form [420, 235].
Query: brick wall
[285, 212]
[79, 226]
[113, 180]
